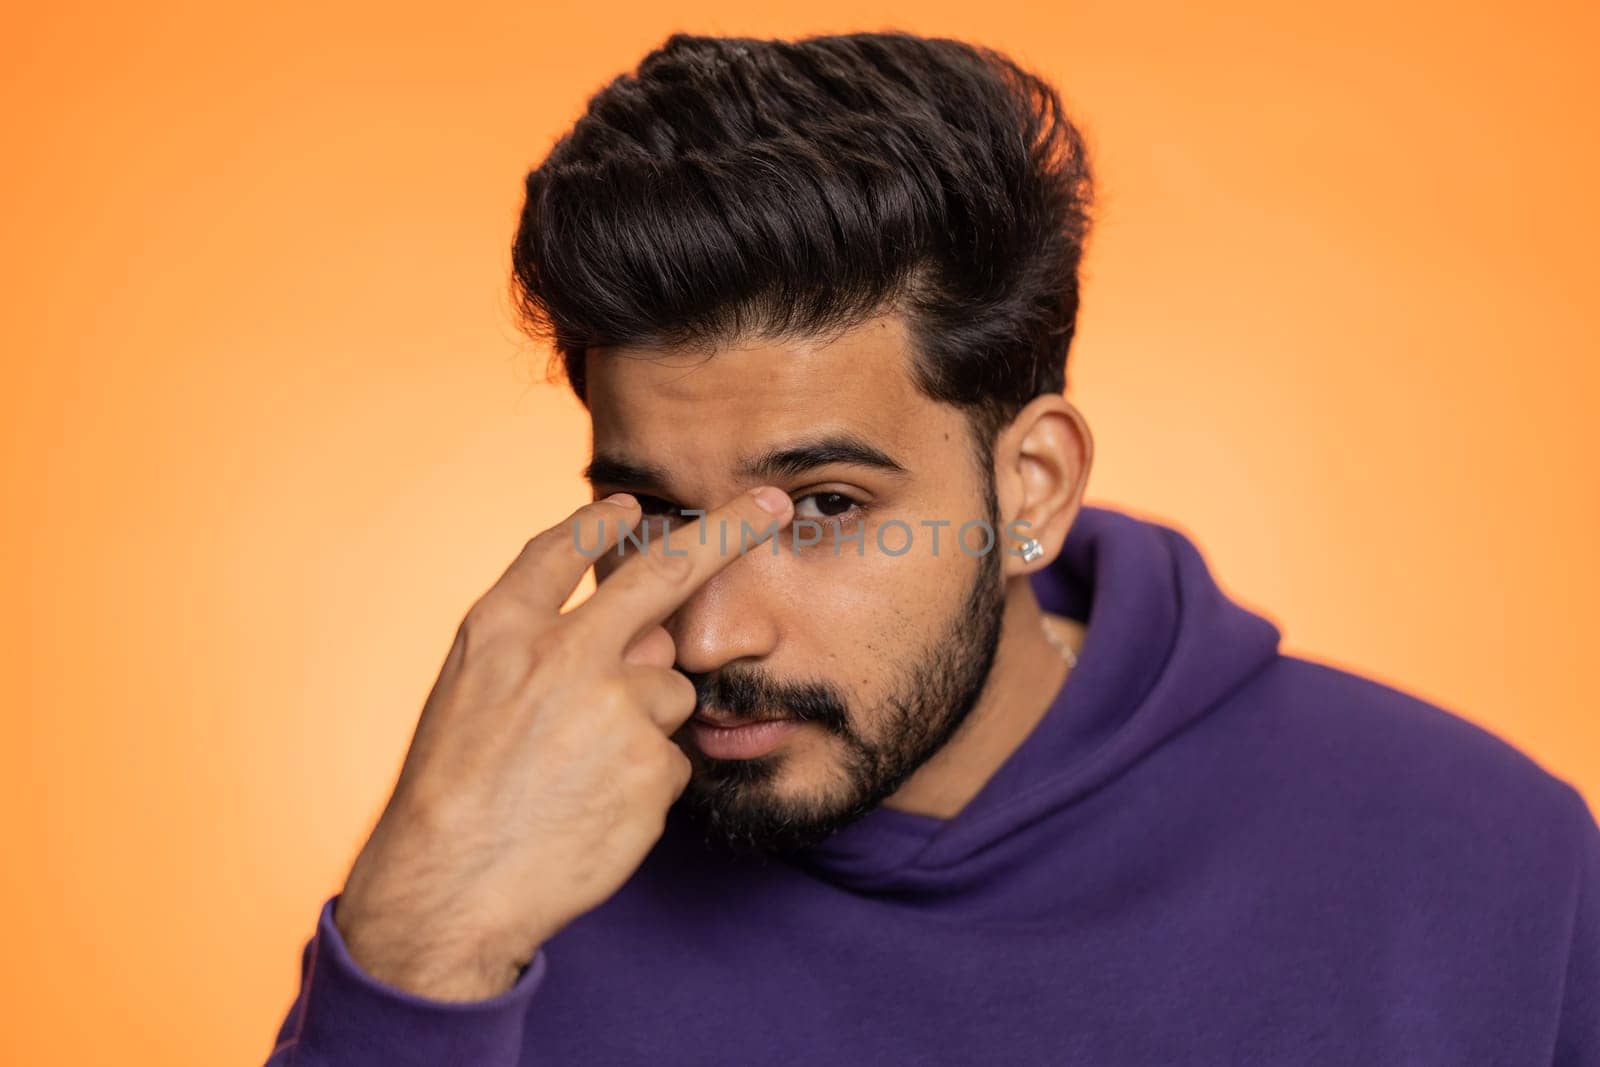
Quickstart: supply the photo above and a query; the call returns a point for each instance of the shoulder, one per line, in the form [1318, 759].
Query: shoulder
[1397, 760]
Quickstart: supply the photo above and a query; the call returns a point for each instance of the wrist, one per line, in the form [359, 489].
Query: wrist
[454, 967]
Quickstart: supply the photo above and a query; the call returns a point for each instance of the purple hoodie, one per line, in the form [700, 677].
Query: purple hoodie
[1207, 852]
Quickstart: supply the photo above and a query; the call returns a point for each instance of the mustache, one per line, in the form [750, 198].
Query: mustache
[750, 695]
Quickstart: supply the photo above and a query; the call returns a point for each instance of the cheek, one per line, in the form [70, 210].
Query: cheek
[863, 615]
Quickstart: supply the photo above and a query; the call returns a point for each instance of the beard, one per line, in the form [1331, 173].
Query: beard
[733, 802]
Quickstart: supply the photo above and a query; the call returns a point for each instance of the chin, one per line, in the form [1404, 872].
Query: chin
[764, 807]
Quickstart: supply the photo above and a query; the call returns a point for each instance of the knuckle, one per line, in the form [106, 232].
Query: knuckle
[550, 649]
[612, 694]
[545, 541]
[499, 637]
[681, 696]
[491, 614]
[640, 763]
[664, 760]
[682, 768]
[673, 771]
[666, 568]
[645, 752]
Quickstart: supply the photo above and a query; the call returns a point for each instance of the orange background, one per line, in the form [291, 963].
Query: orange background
[270, 429]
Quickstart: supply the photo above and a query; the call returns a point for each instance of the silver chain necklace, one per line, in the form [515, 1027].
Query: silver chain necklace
[1070, 657]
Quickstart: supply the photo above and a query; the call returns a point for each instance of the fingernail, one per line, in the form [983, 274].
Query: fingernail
[623, 500]
[770, 499]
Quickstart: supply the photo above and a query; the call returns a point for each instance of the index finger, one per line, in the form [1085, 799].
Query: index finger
[652, 585]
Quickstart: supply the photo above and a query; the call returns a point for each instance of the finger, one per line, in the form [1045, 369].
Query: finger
[653, 648]
[551, 564]
[655, 582]
[667, 696]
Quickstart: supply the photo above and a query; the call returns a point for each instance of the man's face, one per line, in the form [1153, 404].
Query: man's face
[862, 652]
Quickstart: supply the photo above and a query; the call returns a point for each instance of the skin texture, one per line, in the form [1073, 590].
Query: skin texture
[676, 427]
[552, 745]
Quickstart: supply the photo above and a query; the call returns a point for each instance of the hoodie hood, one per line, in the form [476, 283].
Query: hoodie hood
[1163, 646]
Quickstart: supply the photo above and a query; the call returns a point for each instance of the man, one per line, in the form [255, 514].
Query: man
[876, 744]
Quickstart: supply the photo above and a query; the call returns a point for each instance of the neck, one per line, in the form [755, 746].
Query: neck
[1028, 673]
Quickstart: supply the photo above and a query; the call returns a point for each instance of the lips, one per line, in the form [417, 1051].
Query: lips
[722, 723]
[744, 741]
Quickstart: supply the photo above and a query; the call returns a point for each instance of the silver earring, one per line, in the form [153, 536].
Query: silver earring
[1031, 550]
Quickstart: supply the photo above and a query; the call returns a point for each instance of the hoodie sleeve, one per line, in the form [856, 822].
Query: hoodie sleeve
[1578, 1038]
[342, 1017]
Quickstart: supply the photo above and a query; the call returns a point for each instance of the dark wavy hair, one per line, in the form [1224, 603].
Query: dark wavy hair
[735, 187]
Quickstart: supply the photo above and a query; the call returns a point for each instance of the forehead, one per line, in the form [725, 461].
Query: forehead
[690, 409]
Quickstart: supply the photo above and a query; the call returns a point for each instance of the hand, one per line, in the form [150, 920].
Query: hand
[542, 765]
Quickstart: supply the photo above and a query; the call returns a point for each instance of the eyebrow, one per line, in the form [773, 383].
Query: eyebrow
[788, 461]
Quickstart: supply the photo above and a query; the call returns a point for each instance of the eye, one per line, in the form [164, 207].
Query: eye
[654, 505]
[657, 516]
[824, 506]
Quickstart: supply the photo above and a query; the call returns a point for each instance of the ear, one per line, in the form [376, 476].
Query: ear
[1042, 460]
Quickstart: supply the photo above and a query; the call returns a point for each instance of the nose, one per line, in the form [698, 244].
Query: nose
[728, 618]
